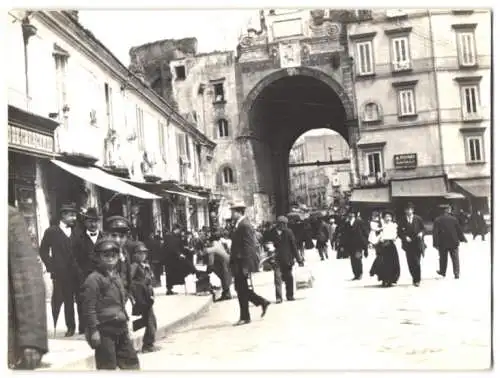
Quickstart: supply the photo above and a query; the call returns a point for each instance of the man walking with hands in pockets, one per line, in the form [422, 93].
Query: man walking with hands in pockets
[243, 245]
[411, 233]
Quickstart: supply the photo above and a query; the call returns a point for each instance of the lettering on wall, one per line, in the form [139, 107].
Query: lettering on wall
[32, 140]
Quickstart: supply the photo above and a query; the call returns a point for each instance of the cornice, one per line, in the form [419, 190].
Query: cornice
[87, 43]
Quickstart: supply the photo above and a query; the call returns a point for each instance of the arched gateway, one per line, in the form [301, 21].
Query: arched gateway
[277, 110]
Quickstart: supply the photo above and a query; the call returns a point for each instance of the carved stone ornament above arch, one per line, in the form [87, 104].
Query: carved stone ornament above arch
[371, 112]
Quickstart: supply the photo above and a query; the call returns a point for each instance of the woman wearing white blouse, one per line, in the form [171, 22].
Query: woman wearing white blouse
[386, 265]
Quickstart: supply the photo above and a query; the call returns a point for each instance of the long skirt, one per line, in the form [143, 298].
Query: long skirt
[386, 265]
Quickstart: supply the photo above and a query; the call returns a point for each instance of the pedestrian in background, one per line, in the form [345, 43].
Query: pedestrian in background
[446, 237]
[218, 262]
[285, 255]
[154, 245]
[478, 225]
[242, 248]
[27, 312]
[322, 237]
[58, 255]
[104, 309]
[142, 290]
[354, 241]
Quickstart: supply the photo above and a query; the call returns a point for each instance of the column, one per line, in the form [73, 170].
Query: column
[42, 200]
[188, 218]
[157, 219]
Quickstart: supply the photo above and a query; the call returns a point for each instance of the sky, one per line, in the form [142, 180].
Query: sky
[215, 29]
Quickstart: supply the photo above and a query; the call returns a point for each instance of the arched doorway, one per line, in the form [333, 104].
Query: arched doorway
[275, 113]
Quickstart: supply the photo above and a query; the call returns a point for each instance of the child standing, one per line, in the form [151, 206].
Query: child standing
[143, 293]
[104, 310]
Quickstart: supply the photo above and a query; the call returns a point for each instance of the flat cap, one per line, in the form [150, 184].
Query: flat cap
[116, 222]
[106, 244]
[140, 247]
[68, 206]
[282, 219]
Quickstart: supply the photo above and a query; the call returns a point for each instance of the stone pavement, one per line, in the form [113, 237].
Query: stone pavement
[171, 312]
[344, 325]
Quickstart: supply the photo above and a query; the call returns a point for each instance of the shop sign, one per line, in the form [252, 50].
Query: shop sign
[31, 140]
[405, 161]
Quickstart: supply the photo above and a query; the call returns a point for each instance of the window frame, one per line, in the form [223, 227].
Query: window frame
[378, 117]
[468, 155]
[222, 122]
[359, 44]
[407, 64]
[178, 67]
[369, 153]
[461, 50]
[224, 170]
[463, 89]
[219, 85]
[139, 117]
[400, 92]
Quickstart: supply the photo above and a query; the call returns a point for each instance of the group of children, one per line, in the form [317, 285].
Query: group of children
[114, 281]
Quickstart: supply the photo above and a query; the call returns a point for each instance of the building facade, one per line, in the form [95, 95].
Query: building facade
[319, 186]
[422, 83]
[84, 128]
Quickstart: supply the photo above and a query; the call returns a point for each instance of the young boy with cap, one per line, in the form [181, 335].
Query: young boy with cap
[104, 309]
[142, 290]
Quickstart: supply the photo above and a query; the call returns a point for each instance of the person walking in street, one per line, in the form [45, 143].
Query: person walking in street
[355, 241]
[285, 255]
[446, 237]
[142, 290]
[478, 225]
[104, 308]
[117, 228]
[84, 254]
[56, 252]
[242, 247]
[27, 312]
[177, 266]
[411, 232]
[386, 265]
[322, 237]
[154, 245]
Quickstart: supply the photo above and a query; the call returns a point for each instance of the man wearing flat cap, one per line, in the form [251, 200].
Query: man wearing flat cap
[56, 252]
[285, 255]
[243, 245]
[84, 254]
[117, 228]
[411, 232]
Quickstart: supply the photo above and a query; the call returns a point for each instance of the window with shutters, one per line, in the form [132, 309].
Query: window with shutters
[374, 163]
[181, 145]
[163, 140]
[227, 176]
[407, 102]
[222, 128]
[139, 115]
[61, 62]
[474, 146]
[219, 96]
[108, 96]
[470, 101]
[365, 58]
[401, 54]
[466, 48]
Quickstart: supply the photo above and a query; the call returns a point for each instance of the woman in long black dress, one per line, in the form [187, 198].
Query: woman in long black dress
[386, 265]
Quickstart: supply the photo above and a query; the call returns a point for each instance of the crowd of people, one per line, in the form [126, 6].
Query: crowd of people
[101, 271]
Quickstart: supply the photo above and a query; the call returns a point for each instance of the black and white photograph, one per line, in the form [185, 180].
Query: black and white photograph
[249, 189]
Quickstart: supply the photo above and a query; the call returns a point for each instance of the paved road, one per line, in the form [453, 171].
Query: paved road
[344, 325]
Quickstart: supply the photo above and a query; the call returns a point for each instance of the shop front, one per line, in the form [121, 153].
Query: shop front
[30, 144]
[477, 191]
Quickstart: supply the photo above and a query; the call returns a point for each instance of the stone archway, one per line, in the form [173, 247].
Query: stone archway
[276, 111]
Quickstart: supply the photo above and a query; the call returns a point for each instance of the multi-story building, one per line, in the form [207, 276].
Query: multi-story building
[422, 84]
[319, 186]
[84, 128]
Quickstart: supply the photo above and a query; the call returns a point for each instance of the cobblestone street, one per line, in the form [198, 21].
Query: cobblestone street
[339, 324]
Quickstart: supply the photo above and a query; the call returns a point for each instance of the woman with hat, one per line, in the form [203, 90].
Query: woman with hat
[386, 265]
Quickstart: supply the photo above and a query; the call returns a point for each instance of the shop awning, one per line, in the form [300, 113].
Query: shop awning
[370, 195]
[104, 180]
[164, 189]
[476, 187]
[425, 187]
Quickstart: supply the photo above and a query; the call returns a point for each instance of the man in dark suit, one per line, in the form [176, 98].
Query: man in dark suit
[285, 254]
[56, 252]
[447, 235]
[322, 238]
[27, 340]
[355, 241]
[411, 233]
[242, 248]
[84, 254]
[154, 245]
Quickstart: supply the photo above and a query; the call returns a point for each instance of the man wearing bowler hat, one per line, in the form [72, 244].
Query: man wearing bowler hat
[56, 252]
[84, 254]
[411, 232]
[243, 245]
[446, 237]
[118, 229]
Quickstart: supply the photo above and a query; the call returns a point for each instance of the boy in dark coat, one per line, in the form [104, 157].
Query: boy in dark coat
[142, 290]
[104, 309]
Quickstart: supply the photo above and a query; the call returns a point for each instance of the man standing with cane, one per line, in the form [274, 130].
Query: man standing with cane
[411, 233]
[242, 247]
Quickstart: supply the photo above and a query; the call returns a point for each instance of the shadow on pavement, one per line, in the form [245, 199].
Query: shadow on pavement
[206, 327]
